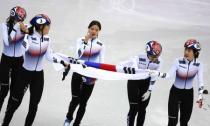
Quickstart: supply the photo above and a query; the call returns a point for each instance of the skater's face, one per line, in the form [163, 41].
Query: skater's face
[188, 53]
[94, 31]
[46, 29]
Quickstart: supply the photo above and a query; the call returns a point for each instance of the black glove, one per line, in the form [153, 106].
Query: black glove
[65, 73]
[205, 91]
[63, 63]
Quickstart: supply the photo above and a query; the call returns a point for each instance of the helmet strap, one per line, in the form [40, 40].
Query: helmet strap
[42, 39]
[196, 54]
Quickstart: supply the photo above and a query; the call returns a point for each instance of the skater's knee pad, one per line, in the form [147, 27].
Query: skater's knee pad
[4, 88]
[172, 120]
[14, 103]
[4, 84]
[133, 104]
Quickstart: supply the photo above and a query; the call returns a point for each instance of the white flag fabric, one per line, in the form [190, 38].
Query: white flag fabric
[99, 73]
[103, 74]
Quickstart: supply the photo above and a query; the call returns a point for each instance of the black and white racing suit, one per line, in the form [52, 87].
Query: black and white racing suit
[30, 76]
[137, 88]
[11, 59]
[81, 86]
[181, 93]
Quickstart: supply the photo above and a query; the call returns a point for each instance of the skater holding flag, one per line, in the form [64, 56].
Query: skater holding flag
[36, 46]
[139, 91]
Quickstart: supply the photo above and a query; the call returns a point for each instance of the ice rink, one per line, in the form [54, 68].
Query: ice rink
[126, 26]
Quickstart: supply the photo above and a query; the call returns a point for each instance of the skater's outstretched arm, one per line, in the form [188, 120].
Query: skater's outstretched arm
[200, 86]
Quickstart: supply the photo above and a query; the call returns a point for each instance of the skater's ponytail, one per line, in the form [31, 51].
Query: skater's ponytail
[196, 54]
[31, 30]
[10, 23]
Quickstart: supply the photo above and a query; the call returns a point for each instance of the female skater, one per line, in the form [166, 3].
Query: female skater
[181, 93]
[139, 91]
[12, 55]
[89, 48]
[36, 45]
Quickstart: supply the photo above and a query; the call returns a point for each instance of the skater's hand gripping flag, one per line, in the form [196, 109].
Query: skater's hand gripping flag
[155, 73]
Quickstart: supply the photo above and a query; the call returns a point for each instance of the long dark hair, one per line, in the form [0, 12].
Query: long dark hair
[95, 22]
[196, 53]
[10, 23]
[31, 30]
[37, 28]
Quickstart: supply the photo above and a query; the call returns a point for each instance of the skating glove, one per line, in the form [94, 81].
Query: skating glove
[67, 69]
[155, 74]
[200, 97]
[200, 100]
[146, 95]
